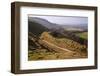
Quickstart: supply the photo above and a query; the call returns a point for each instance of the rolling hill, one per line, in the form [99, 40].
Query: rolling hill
[48, 40]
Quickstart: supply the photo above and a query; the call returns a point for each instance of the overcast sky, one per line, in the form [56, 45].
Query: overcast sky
[69, 20]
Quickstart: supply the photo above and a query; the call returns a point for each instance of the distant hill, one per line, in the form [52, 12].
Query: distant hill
[55, 26]
[39, 25]
[43, 22]
[36, 28]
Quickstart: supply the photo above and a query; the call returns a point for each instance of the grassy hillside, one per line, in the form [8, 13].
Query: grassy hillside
[78, 50]
[63, 42]
[33, 26]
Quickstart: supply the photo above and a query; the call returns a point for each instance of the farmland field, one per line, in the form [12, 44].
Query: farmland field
[83, 35]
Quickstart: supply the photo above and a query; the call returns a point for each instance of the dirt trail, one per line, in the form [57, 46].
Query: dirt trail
[54, 47]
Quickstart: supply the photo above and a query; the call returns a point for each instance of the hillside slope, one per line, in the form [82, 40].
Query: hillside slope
[63, 42]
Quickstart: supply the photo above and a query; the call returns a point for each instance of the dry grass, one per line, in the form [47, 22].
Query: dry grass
[43, 54]
[79, 51]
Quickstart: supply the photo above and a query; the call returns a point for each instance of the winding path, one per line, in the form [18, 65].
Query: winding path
[54, 47]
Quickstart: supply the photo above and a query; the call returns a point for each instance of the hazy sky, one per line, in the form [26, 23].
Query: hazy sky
[70, 20]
